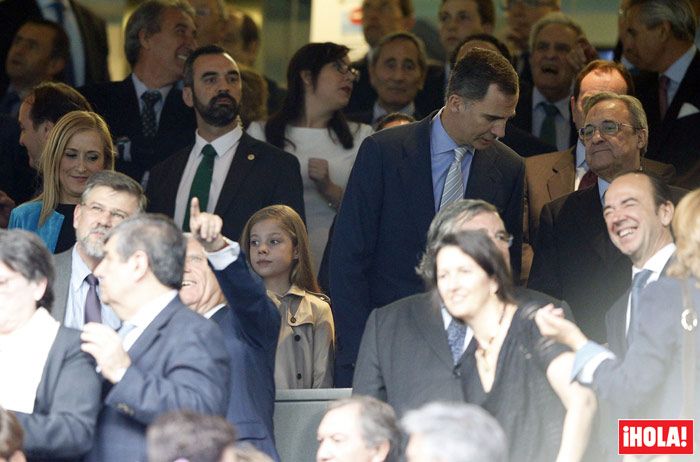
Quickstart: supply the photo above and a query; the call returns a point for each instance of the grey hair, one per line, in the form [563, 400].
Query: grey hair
[679, 13]
[449, 220]
[402, 35]
[458, 432]
[555, 17]
[634, 106]
[377, 422]
[148, 16]
[157, 236]
[117, 182]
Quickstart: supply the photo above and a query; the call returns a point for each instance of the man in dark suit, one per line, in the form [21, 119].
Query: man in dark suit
[244, 175]
[86, 31]
[165, 357]
[145, 112]
[574, 257]
[405, 357]
[398, 183]
[659, 39]
[109, 198]
[239, 304]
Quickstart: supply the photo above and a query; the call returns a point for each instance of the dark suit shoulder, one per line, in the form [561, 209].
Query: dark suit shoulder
[422, 300]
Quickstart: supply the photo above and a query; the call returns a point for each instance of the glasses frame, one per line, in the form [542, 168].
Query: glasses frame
[599, 128]
[344, 69]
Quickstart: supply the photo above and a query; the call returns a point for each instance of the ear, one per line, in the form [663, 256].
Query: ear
[664, 31]
[381, 452]
[306, 78]
[56, 65]
[493, 286]
[455, 103]
[295, 253]
[138, 262]
[642, 138]
[77, 212]
[38, 288]
[143, 39]
[187, 96]
[665, 213]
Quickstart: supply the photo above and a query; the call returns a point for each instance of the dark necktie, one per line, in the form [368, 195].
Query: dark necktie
[93, 307]
[663, 95]
[201, 183]
[639, 281]
[456, 333]
[589, 179]
[548, 130]
[454, 185]
[148, 115]
[68, 71]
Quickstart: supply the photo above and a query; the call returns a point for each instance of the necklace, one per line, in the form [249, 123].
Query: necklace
[482, 351]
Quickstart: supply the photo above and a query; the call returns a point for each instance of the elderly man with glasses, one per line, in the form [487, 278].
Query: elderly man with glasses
[574, 257]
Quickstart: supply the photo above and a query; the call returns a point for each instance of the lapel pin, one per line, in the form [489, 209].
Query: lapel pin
[251, 156]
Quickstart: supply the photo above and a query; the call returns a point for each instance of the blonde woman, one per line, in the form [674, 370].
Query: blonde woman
[78, 146]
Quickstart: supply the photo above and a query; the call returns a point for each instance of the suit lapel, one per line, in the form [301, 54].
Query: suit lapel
[687, 91]
[590, 218]
[416, 177]
[241, 165]
[130, 113]
[428, 322]
[167, 191]
[563, 178]
[63, 263]
[485, 179]
[152, 332]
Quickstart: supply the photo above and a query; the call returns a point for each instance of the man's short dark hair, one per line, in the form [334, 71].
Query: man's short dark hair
[603, 67]
[61, 44]
[187, 435]
[52, 100]
[483, 37]
[188, 71]
[117, 182]
[394, 37]
[477, 71]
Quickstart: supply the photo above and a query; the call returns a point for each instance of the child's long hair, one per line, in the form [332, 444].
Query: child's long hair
[291, 223]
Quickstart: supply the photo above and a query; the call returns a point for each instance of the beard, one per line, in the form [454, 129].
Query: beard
[215, 114]
[92, 245]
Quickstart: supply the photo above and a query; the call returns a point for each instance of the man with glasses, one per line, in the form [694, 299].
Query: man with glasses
[574, 257]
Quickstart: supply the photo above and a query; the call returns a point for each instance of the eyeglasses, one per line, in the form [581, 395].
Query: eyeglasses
[344, 69]
[504, 237]
[508, 4]
[606, 128]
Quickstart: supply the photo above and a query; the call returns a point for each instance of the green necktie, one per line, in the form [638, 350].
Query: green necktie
[548, 131]
[201, 183]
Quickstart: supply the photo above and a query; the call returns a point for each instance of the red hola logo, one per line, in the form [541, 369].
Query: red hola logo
[654, 437]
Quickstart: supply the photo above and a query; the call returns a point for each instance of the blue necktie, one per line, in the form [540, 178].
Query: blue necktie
[638, 283]
[456, 333]
[454, 185]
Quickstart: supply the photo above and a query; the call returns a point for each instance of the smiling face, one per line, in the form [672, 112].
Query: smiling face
[479, 123]
[635, 224]
[170, 47]
[459, 19]
[83, 156]
[216, 91]
[397, 75]
[272, 252]
[333, 87]
[609, 155]
[200, 289]
[463, 285]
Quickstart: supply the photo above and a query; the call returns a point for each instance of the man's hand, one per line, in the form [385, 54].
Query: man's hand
[103, 344]
[206, 228]
[582, 54]
[554, 325]
[6, 206]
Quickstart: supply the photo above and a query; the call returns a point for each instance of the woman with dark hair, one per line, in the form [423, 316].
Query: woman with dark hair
[47, 381]
[311, 125]
[509, 370]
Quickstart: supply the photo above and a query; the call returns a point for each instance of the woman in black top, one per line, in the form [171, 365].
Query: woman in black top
[509, 369]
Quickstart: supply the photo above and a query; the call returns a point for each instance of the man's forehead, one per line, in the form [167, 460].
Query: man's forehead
[219, 62]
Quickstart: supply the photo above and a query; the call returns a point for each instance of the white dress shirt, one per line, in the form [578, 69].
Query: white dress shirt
[143, 318]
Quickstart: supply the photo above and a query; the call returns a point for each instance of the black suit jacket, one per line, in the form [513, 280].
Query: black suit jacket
[13, 13]
[260, 175]
[674, 139]
[576, 261]
[17, 178]
[117, 103]
[381, 227]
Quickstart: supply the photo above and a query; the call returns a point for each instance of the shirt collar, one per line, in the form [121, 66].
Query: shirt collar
[658, 261]
[79, 269]
[602, 189]
[221, 144]
[562, 105]
[677, 70]
[141, 88]
[213, 311]
[440, 141]
[150, 310]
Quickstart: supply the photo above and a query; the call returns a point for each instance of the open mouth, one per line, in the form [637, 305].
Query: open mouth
[549, 69]
[187, 283]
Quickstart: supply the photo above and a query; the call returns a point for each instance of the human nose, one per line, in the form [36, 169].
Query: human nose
[499, 129]
[82, 164]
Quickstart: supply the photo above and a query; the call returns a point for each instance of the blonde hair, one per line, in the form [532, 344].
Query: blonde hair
[66, 127]
[686, 228]
[291, 223]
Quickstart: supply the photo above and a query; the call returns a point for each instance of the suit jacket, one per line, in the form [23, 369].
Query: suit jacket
[63, 264]
[251, 325]
[13, 13]
[260, 175]
[17, 179]
[67, 403]
[427, 100]
[381, 227]
[523, 142]
[178, 362]
[674, 139]
[118, 104]
[576, 261]
[405, 358]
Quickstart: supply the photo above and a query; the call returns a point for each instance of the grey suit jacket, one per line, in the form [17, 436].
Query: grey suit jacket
[63, 264]
[67, 403]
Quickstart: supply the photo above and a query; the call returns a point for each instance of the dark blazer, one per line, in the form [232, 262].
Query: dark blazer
[576, 261]
[67, 403]
[260, 175]
[251, 325]
[405, 358]
[674, 139]
[178, 362]
[17, 179]
[381, 227]
[427, 100]
[367, 117]
[117, 103]
[13, 13]
[523, 142]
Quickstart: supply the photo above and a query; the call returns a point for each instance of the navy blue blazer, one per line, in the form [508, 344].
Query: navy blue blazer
[381, 226]
[251, 325]
[178, 362]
